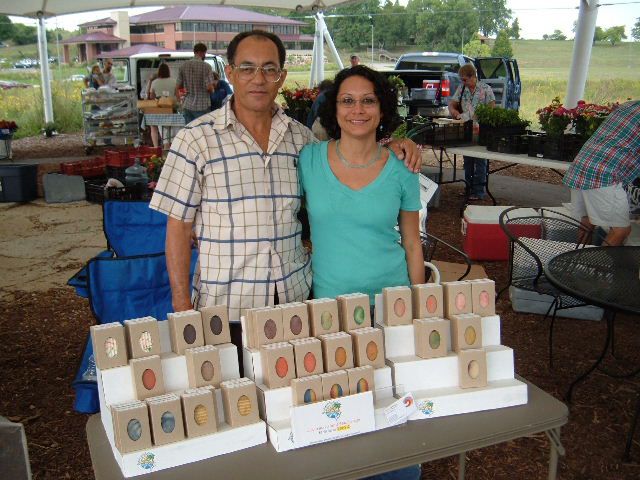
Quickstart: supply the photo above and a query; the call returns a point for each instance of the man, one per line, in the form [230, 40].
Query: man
[609, 159]
[108, 78]
[232, 178]
[355, 60]
[196, 76]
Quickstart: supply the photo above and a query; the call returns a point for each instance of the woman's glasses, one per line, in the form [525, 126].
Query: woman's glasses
[271, 73]
[366, 102]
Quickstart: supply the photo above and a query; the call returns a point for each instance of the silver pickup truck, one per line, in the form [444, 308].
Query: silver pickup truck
[431, 79]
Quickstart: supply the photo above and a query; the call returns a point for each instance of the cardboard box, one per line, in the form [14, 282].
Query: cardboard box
[203, 366]
[427, 301]
[472, 368]
[295, 320]
[215, 323]
[185, 330]
[142, 104]
[355, 311]
[431, 337]
[323, 316]
[466, 331]
[131, 426]
[143, 337]
[337, 350]
[306, 390]
[335, 384]
[278, 365]
[451, 272]
[159, 110]
[240, 401]
[109, 345]
[165, 413]
[368, 346]
[361, 379]
[457, 298]
[308, 356]
[483, 294]
[147, 376]
[199, 409]
[397, 306]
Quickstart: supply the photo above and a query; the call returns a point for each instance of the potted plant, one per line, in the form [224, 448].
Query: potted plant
[554, 118]
[558, 143]
[587, 117]
[298, 101]
[50, 129]
[498, 123]
[7, 129]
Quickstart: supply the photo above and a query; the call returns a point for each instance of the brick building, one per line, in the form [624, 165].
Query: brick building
[179, 28]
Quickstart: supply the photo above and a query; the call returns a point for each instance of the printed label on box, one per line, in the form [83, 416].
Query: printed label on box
[400, 410]
[333, 419]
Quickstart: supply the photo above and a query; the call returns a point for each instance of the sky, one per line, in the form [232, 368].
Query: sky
[535, 18]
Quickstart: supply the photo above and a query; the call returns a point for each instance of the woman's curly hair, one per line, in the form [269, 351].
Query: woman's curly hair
[384, 92]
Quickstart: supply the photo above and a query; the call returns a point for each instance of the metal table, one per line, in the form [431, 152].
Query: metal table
[607, 277]
[369, 454]
[511, 159]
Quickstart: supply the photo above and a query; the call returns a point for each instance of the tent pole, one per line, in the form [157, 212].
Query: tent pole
[331, 45]
[582, 44]
[45, 74]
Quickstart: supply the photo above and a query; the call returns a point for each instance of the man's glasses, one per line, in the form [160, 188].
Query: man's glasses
[271, 73]
[366, 102]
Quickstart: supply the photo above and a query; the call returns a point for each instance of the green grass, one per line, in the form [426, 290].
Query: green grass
[544, 68]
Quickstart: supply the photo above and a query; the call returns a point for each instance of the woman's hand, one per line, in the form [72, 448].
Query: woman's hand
[408, 151]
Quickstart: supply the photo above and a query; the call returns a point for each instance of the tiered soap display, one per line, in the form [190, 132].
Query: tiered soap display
[170, 393]
[320, 370]
[443, 345]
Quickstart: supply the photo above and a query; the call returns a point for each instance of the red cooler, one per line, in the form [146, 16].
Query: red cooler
[483, 239]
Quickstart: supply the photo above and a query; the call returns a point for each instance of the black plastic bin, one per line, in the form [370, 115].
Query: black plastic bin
[18, 183]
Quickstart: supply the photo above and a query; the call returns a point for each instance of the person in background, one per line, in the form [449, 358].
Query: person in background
[221, 90]
[196, 76]
[467, 96]
[94, 79]
[323, 86]
[162, 86]
[354, 59]
[108, 78]
[607, 161]
[356, 192]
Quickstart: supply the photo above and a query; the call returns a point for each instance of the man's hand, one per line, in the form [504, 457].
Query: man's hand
[408, 151]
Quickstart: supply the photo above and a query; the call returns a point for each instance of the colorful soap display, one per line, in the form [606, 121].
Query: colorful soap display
[337, 350]
[264, 326]
[278, 364]
[323, 316]
[308, 356]
[203, 366]
[483, 297]
[335, 384]
[143, 337]
[472, 368]
[354, 311]
[427, 300]
[360, 379]
[398, 306]
[306, 390]
[147, 376]
[240, 402]
[431, 337]
[199, 411]
[185, 329]
[165, 414]
[368, 346]
[215, 324]
[109, 345]
[131, 426]
[295, 320]
[466, 331]
[457, 298]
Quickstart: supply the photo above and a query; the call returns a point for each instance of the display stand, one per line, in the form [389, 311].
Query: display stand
[115, 386]
[6, 136]
[110, 117]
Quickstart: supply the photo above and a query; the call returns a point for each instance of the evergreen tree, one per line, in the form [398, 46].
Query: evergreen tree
[514, 31]
[7, 29]
[475, 48]
[635, 31]
[502, 45]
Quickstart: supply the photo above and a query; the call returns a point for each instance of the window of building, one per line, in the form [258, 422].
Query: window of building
[141, 29]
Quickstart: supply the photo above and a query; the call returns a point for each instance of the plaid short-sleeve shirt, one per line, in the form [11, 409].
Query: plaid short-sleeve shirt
[195, 75]
[244, 204]
[612, 153]
[469, 101]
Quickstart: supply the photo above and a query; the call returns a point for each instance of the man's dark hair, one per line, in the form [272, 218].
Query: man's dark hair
[325, 85]
[199, 48]
[384, 92]
[163, 71]
[233, 45]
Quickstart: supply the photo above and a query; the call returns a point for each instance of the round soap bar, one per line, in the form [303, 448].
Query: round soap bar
[484, 299]
[167, 422]
[282, 367]
[336, 391]
[326, 320]
[432, 304]
[189, 333]
[207, 370]
[244, 405]
[148, 379]
[434, 339]
[215, 324]
[134, 429]
[372, 351]
[295, 325]
[309, 362]
[309, 396]
[270, 329]
[111, 347]
[473, 369]
[341, 356]
[399, 307]
[362, 386]
[470, 335]
[358, 315]
[461, 301]
[145, 341]
[200, 415]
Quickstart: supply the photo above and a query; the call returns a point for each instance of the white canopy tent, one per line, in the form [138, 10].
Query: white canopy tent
[42, 9]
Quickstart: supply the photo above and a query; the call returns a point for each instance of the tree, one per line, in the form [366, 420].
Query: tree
[614, 35]
[24, 34]
[514, 31]
[598, 35]
[475, 48]
[443, 25]
[392, 25]
[353, 29]
[6, 28]
[493, 15]
[635, 31]
[502, 45]
[556, 35]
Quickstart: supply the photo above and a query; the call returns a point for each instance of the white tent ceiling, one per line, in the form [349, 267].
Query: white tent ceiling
[49, 8]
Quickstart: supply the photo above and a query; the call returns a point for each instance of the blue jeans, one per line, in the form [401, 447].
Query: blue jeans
[413, 472]
[475, 174]
[191, 115]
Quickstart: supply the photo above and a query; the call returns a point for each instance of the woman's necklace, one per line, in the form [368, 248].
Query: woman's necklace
[348, 164]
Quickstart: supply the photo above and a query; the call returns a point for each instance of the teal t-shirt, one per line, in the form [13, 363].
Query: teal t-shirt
[355, 243]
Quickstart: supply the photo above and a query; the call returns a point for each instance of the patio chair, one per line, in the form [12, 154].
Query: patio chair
[430, 244]
[533, 241]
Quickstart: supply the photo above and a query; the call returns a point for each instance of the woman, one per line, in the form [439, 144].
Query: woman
[162, 86]
[462, 105]
[357, 192]
[94, 80]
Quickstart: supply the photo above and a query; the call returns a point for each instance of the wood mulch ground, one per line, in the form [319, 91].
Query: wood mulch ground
[43, 335]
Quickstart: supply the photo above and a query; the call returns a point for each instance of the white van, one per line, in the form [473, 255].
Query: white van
[137, 69]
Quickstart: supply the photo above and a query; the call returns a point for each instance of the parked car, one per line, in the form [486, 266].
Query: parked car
[431, 78]
[76, 78]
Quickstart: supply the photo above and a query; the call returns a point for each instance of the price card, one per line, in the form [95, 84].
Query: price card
[400, 410]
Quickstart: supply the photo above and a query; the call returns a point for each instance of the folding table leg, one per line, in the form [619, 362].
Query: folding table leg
[632, 429]
[556, 449]
[462, 464]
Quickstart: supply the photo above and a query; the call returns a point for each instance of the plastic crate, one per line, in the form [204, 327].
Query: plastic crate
[145, 152]
[18, 183]
[96, 193]
[87, 168]
[118, 158]
[116, 172]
